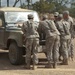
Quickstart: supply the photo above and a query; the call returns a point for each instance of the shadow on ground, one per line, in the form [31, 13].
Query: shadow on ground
[6, 65]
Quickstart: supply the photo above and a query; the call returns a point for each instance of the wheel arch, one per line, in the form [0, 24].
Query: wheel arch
[10, 41]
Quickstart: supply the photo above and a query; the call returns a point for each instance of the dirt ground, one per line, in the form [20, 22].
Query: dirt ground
[7, 69]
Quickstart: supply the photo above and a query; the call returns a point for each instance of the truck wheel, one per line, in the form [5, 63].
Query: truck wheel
[15, 54]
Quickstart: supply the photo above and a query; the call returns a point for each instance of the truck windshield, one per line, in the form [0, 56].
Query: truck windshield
[14, 17]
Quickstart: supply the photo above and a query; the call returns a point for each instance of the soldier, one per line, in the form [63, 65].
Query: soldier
[63, 28]
[56, 16]
[70, 43]
[60, 19]
[31, 40]
[52, 40]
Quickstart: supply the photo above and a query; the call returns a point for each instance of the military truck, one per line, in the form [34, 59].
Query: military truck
[11, 35]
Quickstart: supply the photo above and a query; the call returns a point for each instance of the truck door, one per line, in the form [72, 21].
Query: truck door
[2, 30]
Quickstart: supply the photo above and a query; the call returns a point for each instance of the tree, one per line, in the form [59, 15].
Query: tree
[23, 5]
[16, 1]
[51, 5]
[43, 6]
[7, 3]
[28, 3]
[72, 9]
[59, 5]
[0, 3]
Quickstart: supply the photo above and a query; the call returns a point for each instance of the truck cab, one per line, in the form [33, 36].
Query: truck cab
[11, 35]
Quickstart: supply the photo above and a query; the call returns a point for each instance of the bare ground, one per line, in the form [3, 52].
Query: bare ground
[7, 69]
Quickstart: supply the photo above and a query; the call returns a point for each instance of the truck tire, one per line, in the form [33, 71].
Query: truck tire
[15, 54]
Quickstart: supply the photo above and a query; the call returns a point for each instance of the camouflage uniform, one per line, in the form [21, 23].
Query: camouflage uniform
[63, 28]
[52, 40]
[70, 43]
[31, 40]
[56, 17]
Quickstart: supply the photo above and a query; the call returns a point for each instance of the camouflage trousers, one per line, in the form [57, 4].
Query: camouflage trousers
[64, 46]
[32, 48]
[70, 48]
[52, 48]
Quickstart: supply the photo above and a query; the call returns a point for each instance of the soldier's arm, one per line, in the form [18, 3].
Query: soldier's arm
[54, 27]
[60, 28]
[57, 25]
[24, 28]
[72, 29]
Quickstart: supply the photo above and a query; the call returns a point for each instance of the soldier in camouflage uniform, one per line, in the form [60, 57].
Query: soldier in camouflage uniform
[56, 16]
[56, 19]
[52, 40]
[70, 43]
[31, 40]
[64, 28]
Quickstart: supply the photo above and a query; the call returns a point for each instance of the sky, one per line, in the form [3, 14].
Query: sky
[4, 2]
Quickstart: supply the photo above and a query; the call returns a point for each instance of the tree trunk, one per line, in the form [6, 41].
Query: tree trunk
[16, 1]
[0, 3]
[7, 3]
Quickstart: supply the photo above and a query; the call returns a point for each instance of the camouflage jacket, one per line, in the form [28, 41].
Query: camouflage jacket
[49, 28]
[64, 29]
[30, 29]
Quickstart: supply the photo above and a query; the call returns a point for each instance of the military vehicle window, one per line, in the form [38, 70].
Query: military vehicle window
[14, 17]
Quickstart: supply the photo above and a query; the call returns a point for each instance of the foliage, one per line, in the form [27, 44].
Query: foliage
[43, 6]
[72, 10]
[23, 6]
[50, 5]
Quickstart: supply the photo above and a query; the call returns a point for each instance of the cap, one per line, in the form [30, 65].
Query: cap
[45, 17]
[60, 16]
[56, 13]
[66, 12]
[30, 16]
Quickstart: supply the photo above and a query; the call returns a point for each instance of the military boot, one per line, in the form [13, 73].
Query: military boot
[34, 66]
[27, 66]
[65, 62]
[54, 65]
[49, 65]
[72, 59]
